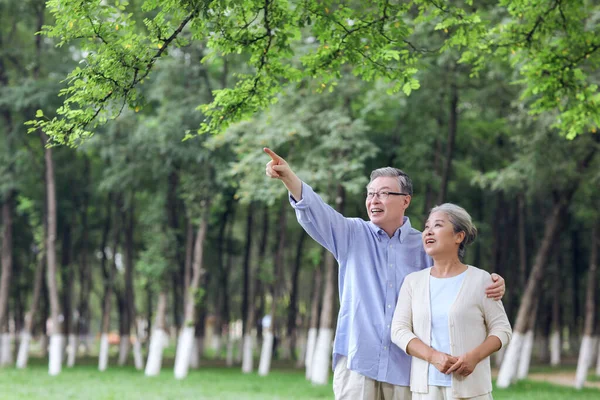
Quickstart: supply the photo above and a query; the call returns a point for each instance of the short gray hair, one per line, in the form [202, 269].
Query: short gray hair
[403, 179]
[461, 221]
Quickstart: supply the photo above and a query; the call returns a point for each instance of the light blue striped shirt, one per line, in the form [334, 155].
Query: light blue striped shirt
[372, 267]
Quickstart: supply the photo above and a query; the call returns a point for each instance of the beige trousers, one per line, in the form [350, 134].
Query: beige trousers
[350, 385]
[445, 393]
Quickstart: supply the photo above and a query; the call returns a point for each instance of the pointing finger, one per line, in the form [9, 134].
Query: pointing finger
[276, 159]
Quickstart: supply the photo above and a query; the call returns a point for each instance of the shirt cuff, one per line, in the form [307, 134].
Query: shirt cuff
[304, 203]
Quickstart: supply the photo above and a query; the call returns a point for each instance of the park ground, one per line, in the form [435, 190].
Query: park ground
[215, 381]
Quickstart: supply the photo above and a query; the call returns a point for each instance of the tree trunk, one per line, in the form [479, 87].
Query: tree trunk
[56, 338]
[7, 266]
[132, 329]
[186, 337]
[23, 355]
[293, 307]
[107, 274]
[247, 255]
[85, 278]
[586, 350]
[67, 278]
[527, 348]
[510, 362]
[189, 254]
[159, 337]
[248, 346]
[266, 354]
[522, 242]
[226, 311]
[247, 296]
[452, 130]
[178, 273]
[313, 326]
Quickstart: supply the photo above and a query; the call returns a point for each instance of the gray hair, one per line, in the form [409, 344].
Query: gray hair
[403, 179]
[461, 221]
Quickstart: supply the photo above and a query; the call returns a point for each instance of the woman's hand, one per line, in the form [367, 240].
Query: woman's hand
[442, 361]
[464, 365]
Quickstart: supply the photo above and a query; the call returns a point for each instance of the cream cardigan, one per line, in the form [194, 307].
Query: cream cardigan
[471, 319]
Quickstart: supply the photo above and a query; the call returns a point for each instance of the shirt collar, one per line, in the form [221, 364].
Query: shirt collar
[401, 233]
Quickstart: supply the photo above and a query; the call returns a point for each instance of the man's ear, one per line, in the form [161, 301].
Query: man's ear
[407, 200]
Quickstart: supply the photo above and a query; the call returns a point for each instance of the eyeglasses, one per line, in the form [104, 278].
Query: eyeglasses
[384, 195]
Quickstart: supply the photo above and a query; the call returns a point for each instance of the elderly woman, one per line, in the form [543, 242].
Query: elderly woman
[443, 318]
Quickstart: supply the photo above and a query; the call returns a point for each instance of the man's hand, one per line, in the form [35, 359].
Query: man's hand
[442, 361]
[278, 168]
[464, 365]
[497, 288]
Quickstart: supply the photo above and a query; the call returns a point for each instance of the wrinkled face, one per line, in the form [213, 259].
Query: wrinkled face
[386, 213]
[439, 237]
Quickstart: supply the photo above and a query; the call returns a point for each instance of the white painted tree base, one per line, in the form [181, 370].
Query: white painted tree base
[584, 361]
[71, 350]
[322, 358]
[6, 357]
[510, 362]
[555, 349]
[103, 356]
[247, 360]
[124, 346]
[55, 356]
[525, 358]
[138, 358]
[23, 355]
[310, 351]
[266, 354]
[598, 360]
[184, 352]
[157, 342]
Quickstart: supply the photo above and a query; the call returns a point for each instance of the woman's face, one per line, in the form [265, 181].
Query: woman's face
[439, 237]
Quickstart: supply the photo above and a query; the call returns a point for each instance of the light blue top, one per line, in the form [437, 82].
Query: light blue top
[442, 293]
[372, 267]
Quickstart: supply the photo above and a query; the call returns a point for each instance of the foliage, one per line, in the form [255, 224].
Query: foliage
[285, 41]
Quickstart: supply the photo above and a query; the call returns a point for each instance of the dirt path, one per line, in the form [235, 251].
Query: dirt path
[560, 378]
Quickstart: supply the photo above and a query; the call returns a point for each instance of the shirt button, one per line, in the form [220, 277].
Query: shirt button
[391, 265]
[390, 285]
[388, 326]
[389, 306]
[385, 347]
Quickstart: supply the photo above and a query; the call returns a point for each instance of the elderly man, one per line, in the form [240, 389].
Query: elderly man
[374, 257]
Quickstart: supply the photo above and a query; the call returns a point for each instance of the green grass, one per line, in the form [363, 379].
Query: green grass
[529, 390]
[212, 381]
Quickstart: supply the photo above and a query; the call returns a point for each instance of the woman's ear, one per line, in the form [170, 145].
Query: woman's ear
[460, 237]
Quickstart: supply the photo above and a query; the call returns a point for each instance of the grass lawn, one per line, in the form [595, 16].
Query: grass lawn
[212, 381]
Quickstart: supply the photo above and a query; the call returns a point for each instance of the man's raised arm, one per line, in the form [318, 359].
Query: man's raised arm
[278, 168]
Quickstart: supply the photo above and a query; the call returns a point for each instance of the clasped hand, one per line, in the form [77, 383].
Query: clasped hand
[447, 364]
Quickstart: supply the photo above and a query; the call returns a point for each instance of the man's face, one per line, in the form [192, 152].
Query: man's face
[386, 213]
